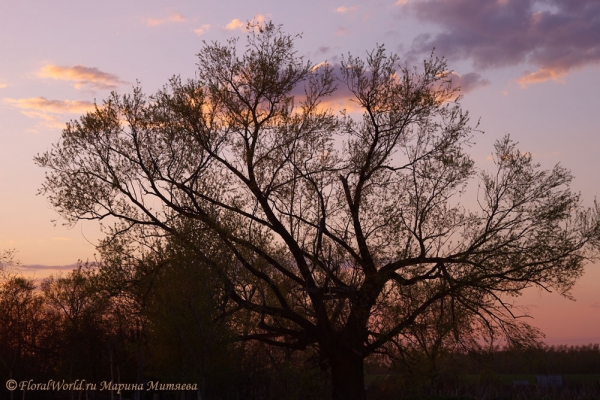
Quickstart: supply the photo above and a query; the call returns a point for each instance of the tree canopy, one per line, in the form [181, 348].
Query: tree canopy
[336, 230]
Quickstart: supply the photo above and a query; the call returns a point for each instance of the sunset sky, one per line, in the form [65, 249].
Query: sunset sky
[530, 68]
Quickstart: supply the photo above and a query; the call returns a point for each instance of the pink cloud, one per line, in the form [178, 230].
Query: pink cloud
[81, 76]
[342, 31]
[52, 106]
[344, 9]
[173, 18]
[202, 30]
[239, 24]
[235, 24]
[50, 110]
[542, 75]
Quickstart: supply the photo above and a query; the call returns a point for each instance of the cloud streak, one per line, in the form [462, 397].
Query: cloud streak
[52, 106]
[173, 18]
[39, 267]
[49, 110]
[344, 9]
[555, 36]
[202, 30]
[81, 76]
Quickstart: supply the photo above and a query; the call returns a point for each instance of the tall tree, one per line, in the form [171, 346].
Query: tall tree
[176, 300]
[190, 340]
[335, 231]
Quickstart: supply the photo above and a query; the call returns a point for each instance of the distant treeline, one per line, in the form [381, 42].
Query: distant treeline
[488, 374]
[561, 359]
[540, 360]
[132, 323]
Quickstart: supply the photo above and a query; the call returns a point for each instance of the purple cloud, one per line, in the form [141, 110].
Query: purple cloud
[468, 82]
[555, 36]
[342, 97]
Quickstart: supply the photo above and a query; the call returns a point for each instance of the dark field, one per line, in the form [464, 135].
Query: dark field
[498, 387]
[257, 372]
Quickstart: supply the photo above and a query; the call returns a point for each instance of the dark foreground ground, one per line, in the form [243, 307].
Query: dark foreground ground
[486, 386]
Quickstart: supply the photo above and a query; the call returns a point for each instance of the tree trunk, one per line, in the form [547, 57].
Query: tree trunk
[347, 376]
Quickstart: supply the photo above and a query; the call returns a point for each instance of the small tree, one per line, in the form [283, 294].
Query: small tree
[335, 231]
[16, 302]
[26, 326]
[84, 324]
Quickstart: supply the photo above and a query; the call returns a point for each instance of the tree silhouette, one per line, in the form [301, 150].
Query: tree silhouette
[84, 324]
[335, 230]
